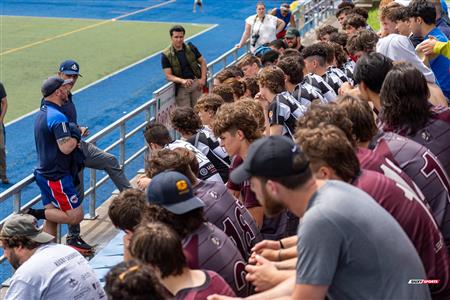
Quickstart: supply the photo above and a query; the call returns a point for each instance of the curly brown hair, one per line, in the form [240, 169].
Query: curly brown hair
[225, 92]
[126, 210]
[339, 54]
[237, 86]
[134, 280]
[292, 68]
[254, 108]
[387, 12]
[325, 30]
[355, 21]
[224, 75]
[251, 85]
[249, 60]
[272, 77]
[328, 145]
[361, 115]
[331, 114]
[185, 120]
[166, 159]
[340, 38]
[160, 246]
[364, 40]
[231, 117]
[209, 102]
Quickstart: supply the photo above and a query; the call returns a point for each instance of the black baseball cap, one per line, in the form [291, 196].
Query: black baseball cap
[70, 67]
[51, 84]
[269, 157]
[292, 33]
[173, 191]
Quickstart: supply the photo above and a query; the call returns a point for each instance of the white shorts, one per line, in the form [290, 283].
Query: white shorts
[199, 2]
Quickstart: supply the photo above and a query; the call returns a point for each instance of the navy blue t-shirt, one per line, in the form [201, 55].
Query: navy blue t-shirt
[68, 109]
[51, 124]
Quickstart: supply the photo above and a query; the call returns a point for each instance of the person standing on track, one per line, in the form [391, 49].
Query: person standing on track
[3, 109]
[198, 3]
[185, 66]
[284, 13]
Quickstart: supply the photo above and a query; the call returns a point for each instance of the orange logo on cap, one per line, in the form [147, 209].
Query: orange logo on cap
[182, 185]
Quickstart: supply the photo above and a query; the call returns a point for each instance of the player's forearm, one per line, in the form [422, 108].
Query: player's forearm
[290, 241]
[285, 288]
[288, 264]
[174, 79]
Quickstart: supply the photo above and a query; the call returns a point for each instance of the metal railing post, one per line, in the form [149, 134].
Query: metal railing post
[17, 202]
[58, 233]
[122, 145]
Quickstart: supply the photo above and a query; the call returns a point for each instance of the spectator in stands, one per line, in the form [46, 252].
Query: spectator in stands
[94, 157]
[370, 72]
[3, 108]
[238, 125]
[237, 86]
[185, 66]
[44, 270]
[153, 243]
[207, 107]
[324, 32]
[354, 23]
[221, 208]
[399, 48]
[224, 91]
[250, 65]
[406, 154]
[332, 157]
[251, 86]
[282, 109]
[316, 57]
[284, 13]
[293, 39]
[173, 203]
[189, 125]
[261, 28]
[56, 142]
[237, 130]
[400, 16]
[278, 45]
[270, 58]
[157, 136]
[387, 22]
[342, 13]
[125, 212]
[362, 42]
[406, 111]
[134, 280]
[302, 91]
[422, 17]
[295, 187]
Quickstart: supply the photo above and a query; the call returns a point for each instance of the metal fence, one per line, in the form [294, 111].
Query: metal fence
[309, 13]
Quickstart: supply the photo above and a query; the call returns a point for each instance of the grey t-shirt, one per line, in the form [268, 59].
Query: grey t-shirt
[350, 243]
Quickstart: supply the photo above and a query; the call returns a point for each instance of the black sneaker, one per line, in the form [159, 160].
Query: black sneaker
[81, 246]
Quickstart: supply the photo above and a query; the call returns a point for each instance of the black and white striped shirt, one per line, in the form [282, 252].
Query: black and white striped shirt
[207, 143]
[306, 93]
[333, 80]
[285, 110]
[341, 74]
[348, 68]
[318, 82]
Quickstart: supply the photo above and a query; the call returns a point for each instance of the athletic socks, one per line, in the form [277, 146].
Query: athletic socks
[37, 213]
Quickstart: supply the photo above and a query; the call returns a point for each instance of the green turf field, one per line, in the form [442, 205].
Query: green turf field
[31, 49]
[373, 20]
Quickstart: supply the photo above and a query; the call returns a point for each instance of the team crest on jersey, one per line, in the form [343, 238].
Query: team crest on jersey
[214, 194]
[73, 199]
[215, 240]
[203, 171]
[182, 186]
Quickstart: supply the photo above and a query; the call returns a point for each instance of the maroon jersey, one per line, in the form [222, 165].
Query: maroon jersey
[209, 248]
[425, 169]
[369, 160]
[275, 228]
[214, 284]
[434, 136]
[229, 215]
[417, 222]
